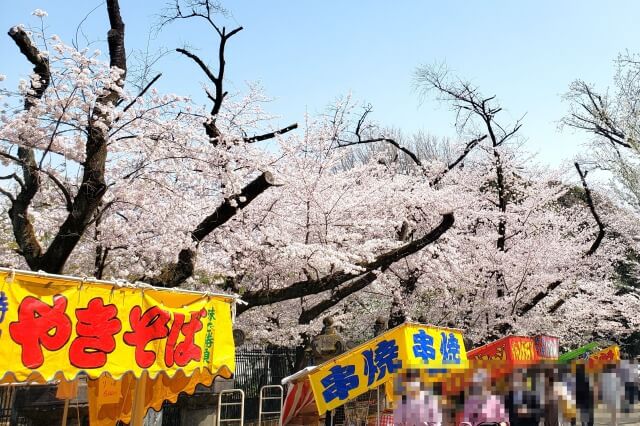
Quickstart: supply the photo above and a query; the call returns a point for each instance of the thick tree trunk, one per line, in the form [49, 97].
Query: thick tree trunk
[93, 185]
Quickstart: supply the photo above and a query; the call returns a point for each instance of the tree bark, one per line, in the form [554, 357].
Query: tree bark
[93, 184]
[23, 230]
[592, 208]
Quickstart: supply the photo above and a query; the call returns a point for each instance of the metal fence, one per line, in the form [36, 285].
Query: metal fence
[11, 402]
[258, 366]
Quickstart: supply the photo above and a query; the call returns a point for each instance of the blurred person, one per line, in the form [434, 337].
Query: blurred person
[564, 391]
[481, 405]
[584, 396]
[524, 404]
[626, 374]
[419, 405]
[551, 396]
[611, 391]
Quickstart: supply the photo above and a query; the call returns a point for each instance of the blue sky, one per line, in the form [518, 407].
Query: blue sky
[307, 53]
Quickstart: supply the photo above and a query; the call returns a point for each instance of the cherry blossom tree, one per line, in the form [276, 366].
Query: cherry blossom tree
[340, 216]
[155, 188]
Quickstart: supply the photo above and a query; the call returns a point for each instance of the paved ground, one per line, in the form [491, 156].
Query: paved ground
[603, 417]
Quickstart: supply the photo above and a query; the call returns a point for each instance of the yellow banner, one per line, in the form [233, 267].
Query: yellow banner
[51, 324]
[377, 361]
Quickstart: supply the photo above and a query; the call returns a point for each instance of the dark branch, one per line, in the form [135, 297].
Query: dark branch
[141, 94]
[271, 135]
[175, 274]
[331, 281]
[524, 309]
[594, 213]
[353, 286]
[467, 149]
[93, 186]
[414, 157]
[200, 63]
[231, 206]
[23, 229]
[65, 191]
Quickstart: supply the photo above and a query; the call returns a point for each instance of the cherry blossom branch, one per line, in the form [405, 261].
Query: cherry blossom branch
[331, 281]
[176, 273]
[524, 309]
[92, 186]
[65, 191]
[592, 209]
[468, 102]
[355, 285]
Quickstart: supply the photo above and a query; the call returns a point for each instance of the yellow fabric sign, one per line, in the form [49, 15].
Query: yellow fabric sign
[53, 324]
[377, 361]
[110, 400]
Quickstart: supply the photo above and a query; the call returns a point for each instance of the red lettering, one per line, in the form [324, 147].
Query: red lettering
[146, 327]
[170, 349]
[185, 351]
[40, 325]
[97, 325]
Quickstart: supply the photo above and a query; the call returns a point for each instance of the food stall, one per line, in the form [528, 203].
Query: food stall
[370, 367]
[593, 354]
[137, 345]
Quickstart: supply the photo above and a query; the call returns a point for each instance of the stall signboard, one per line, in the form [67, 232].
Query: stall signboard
[607, 355]
[408, 346]
[52, 326]
[511, 349]
[547, 347]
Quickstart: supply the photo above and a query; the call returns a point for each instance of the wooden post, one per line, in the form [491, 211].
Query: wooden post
[65, 412]
[378, 406]
[138, 410]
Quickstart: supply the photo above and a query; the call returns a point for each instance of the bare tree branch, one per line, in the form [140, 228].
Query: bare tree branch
[591, 112]
[205, 9]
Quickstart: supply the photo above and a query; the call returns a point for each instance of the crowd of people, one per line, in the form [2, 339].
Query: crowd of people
[549, 394]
